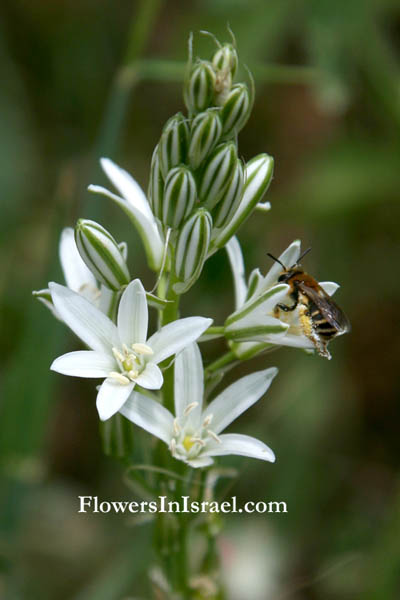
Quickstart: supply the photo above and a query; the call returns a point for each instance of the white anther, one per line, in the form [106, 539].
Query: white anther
[189, 408]
[177, 427]
[125, 349]
[207, 420]
[118, 354]
[199, 441]
[119, 377]
[133, 374]
[142, 349]
[214, 436]
[172, 447]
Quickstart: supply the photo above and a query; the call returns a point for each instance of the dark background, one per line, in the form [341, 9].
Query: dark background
[328, 110]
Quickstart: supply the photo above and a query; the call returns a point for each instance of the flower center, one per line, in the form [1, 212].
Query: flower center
[189, 438]
[131, 362]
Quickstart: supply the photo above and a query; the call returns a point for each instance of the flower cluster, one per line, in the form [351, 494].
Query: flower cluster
[200, 192]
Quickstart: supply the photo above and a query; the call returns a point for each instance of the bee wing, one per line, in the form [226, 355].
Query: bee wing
[328, 307]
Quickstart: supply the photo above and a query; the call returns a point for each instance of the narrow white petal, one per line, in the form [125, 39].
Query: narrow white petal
[200, 461]
[330, 287]
[77, 275]
[295, 341]
[237, 266]
[288, 258]
[175, 336]
[85, 320]
[84, 363]
[107, 299]
[238, 397]
[151, 378]
[242, 445]
[150, 415]
[111, 397]
[133, 314]
[189, 381]
[126, 185]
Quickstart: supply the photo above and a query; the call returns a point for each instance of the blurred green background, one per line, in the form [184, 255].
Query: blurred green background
[82, 80]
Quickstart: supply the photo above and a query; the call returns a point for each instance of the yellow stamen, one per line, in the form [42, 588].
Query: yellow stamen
[119, 377]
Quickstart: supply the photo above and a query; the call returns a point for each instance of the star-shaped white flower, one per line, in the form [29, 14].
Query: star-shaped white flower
[254, 324]
[194, 435]
[120, 353]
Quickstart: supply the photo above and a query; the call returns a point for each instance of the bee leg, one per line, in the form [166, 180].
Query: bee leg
[310, 333]
[287, 308]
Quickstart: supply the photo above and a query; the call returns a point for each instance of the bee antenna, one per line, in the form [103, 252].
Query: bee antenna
[276, 259]
[303, 255]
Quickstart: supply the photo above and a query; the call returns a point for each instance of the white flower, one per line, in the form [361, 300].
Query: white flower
[135, 204]
[77, 276]
[254, 318]
[119, 353]
[194, 433]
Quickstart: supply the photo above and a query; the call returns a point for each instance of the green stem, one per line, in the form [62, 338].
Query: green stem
[215, 330]
[224, 361]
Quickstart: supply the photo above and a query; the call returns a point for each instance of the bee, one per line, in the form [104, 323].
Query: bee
[320, 317]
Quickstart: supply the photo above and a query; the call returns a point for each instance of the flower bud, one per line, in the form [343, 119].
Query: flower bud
[236, 109]
[206, 131]
[101, 254]
[258, 175]
[174, 142]
[191, 249]
[218, 171]
[200, 86]
[156, 185]
[226, 59]
[179, 196]
[231, 198]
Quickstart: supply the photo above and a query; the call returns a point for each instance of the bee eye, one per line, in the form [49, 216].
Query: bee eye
[282, 277]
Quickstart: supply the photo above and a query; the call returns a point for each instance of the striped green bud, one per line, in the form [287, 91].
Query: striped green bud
[231, 198]
[258, 176]
[191, 249]
[236, 109]
[101, 254]
[156, 185]
[199, 87]
[173, 145]
[218, 171]
[206, 131]
[179, 196]
[226, 59]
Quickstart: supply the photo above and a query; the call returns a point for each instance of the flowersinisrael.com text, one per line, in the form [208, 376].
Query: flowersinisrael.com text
[92, 504]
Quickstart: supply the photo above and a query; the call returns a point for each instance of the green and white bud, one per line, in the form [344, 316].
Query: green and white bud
[191, 249]
[200, 87]
[218, 171]
[156, 185]
[236, 109]
[206, 132]
[174, 142]
[228, 204]
[258, 176]
[226, 59]
[180, 194]
[101, 254]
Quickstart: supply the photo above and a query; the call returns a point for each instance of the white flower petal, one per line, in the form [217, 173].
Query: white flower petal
[77, 275]
[330, 287]
[133, 314]
[288, 258]
[111, 397]
[175, 336]
[151, 377]
[238, 397]
[108, 299]
[200, 461]
[150, 415]
[237, 265]
[85, 320]
[84, 363]
[242, 445]
[127, 186]
[295, 341]
[189, 382]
